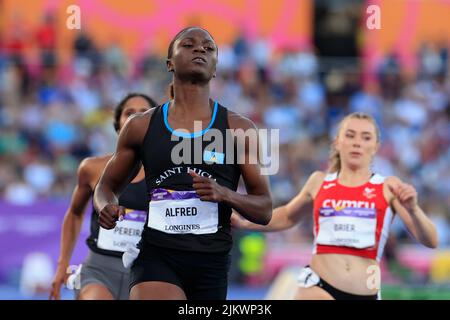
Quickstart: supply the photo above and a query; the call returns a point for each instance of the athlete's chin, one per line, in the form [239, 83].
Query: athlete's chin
[355, 163]
[197, 75]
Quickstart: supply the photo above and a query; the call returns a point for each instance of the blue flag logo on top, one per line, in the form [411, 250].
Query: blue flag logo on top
[213, 156]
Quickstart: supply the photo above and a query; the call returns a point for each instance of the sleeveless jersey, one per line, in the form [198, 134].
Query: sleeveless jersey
[177, 218]
[351, 220]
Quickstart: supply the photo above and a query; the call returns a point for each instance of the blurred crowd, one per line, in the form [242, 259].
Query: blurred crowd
[54, 114]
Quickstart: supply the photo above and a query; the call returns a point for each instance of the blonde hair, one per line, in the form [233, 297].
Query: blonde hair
[335, 159]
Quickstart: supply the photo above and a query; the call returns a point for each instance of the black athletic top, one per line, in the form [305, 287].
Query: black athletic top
[133, 197]
[162, 173]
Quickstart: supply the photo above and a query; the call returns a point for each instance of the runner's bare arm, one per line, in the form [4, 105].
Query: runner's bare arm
[73, 218]
[288, 215]
[256, 206]
[403, 199]
[71, 226]
[123, 166]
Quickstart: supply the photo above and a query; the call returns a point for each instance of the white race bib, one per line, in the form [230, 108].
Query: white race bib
[127, 232]
[349, 227]
[182, 212]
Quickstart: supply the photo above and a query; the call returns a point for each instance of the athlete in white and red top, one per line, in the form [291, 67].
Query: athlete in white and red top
[351, 220]
[353, 209]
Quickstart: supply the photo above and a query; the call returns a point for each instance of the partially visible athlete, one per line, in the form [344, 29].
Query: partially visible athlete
[184, 252]
[103, 275]
[353, 210]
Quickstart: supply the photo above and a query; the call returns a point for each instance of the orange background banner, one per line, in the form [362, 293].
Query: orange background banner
[140, 25]
[143, 25]
[405, 26]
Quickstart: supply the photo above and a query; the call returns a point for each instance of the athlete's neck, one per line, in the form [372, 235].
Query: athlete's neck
[354, 177]
[191, 100]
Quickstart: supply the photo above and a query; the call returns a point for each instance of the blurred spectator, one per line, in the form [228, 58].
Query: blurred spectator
[20, 193]
[241, 48]
[114, 58]
[87, 59]
[36, 275]
[46, 40]
[368, 101]
[40, 176]
[431, 60]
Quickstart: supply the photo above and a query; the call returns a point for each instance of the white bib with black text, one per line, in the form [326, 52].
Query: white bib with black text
[182, 212]
[127, 232]
[348, 227]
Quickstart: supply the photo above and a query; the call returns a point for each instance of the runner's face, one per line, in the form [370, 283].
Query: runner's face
[194, 56]
[132, 106]
[357, 143]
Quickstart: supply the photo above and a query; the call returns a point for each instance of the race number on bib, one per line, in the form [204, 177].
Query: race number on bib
[181, 212]
[349, 227]
[127, 232]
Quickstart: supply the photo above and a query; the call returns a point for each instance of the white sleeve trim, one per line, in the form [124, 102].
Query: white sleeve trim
[330, 176]
[377, 179]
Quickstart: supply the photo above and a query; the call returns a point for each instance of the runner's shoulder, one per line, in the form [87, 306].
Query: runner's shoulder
[238, 121]
[94, 163]
[316, 179]
[136, 126]
[318, 176]
[91, 167]
[137, 120]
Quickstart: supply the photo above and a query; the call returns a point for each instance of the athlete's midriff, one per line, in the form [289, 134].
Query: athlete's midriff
[348, 273]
